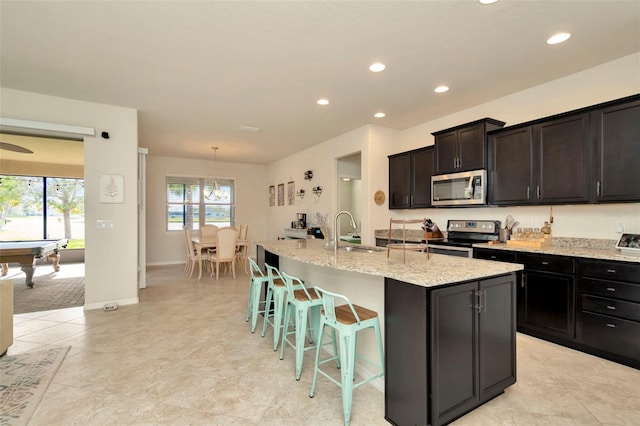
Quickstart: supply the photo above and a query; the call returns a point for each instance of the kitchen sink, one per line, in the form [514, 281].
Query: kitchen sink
[363, 249]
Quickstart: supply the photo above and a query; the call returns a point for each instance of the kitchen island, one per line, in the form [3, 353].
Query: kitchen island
[448, 323]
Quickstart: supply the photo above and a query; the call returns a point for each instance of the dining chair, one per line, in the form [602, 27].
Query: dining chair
[243, 250]
[225, 251]
[192, 255]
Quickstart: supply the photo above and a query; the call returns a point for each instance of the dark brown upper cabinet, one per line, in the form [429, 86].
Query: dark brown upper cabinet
[615, 131]
[410, 179]
[587, 155]
[463, 147]
[545, 163]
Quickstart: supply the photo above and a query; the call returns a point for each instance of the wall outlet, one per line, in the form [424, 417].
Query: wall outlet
[620, 227]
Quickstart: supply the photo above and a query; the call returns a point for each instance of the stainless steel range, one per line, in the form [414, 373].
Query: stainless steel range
[462, 234]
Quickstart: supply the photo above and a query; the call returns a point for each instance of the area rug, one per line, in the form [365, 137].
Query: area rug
[23, 380]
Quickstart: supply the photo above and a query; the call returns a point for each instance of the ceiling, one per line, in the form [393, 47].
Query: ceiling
[44, 150]
[198, 70]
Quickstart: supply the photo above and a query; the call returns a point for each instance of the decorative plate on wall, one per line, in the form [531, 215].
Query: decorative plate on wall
[378, 197]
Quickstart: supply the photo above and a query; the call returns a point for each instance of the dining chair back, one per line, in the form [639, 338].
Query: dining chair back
[208, 232]
[225, 251]
[242, 251]
[192, 255]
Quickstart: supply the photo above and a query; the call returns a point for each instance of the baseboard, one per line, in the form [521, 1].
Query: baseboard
[100, 305]
[166, 263]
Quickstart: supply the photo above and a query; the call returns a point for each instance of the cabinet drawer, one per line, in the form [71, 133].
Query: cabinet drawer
[547, 263]
[611, 270]
[612, 335]
[613, 307]
[499, 255]
[613, 289]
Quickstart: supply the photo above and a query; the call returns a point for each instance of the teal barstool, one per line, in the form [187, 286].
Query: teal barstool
[276, 290]
[346, 320]
[258, 279]
[299, 304]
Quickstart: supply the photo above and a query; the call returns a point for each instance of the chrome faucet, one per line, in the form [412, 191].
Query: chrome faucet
[335, 229]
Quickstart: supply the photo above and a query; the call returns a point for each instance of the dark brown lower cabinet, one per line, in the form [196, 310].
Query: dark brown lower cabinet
[448, 350]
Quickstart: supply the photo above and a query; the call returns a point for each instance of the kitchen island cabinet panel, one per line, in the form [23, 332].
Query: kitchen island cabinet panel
[406, 381]
[448, 349]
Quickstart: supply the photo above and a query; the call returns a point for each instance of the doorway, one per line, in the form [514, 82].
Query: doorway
[350, 196]
[42, 198]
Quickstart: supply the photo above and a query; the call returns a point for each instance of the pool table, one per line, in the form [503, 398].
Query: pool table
[27, 252]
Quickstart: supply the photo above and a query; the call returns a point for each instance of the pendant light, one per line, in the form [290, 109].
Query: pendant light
[216, 192]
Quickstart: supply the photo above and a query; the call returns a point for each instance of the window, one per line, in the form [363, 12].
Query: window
[188, 196]
[35, 208]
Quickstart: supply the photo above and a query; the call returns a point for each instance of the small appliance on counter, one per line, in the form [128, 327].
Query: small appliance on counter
[315, 233]
[300, 222]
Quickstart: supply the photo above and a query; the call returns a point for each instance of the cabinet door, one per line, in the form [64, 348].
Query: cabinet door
[399, 181]
[497, 333]
[547, 304]
[422, 170]
[454, 356]
[511, 166]
[471, 148]
[446, 152]
[562, 154]
[616, 132]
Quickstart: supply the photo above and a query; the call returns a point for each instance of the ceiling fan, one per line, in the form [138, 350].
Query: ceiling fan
[15, 148]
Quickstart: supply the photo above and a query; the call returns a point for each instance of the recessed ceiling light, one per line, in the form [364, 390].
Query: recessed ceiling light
[441, 89]
[377, 67]
[487, 1]
[379, 114]
[558, 38]
[322, 102]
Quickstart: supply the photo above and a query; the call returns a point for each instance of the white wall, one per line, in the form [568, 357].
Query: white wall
[605, 82]
[111, 255]
[251, 202]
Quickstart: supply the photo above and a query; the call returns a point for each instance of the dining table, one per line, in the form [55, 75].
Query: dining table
[200, 244]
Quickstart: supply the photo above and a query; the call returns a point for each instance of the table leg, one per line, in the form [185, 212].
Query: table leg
[55, 257]
[28, 269]
[199, 265]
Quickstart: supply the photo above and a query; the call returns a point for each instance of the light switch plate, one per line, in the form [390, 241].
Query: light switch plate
[105, 224]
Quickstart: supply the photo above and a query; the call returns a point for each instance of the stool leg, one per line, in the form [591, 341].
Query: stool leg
[315, 367]
[250, 302]
[347, 356]
[285, 328]
[380, 350]
[255, 292]
[301, 331]
[267, 309]
[278, 307]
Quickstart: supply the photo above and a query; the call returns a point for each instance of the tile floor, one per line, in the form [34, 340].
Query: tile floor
[185, 355]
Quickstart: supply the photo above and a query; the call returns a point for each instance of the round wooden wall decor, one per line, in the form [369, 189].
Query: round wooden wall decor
[378, 197]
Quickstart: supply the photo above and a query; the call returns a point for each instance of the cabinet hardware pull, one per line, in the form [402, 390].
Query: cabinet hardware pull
[538, 192]
[493, 257]
[611, 289]
[598, 191]
[528, 192]
[611, 271]
[611, 325]
[545, 263]
[611, 308]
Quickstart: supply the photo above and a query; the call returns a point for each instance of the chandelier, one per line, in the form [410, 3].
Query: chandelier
[216, 192]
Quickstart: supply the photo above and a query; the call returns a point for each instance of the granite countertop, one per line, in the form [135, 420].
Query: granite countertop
[573, 247]
[437, 271]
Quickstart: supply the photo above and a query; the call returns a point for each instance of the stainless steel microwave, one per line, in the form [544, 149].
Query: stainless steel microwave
[459, 189]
